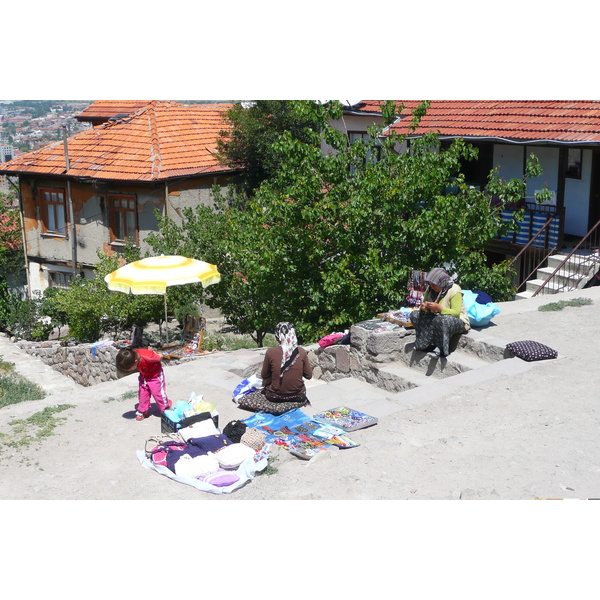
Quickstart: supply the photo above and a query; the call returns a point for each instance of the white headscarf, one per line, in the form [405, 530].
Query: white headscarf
[285, 334]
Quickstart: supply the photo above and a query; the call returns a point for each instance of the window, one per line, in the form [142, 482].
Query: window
[574, 163]
[359, 135]
[60, 279]
[123, 219]
[53, 210]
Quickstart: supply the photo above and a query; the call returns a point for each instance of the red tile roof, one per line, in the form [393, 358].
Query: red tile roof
[160, 141]
[515, 120]
[102, 110]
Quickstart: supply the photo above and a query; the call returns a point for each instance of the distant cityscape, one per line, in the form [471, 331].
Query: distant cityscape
[27, 125]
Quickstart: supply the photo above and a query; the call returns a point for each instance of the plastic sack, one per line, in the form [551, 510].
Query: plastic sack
[248, 385]
[479, 314]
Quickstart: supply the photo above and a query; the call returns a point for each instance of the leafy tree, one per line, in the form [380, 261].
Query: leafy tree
[250, 145]
[330, 239]
[11, 241]
[90, 309]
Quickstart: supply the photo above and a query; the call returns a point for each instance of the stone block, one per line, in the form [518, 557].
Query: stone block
[327, 361]
[342, 359]
[385, 342]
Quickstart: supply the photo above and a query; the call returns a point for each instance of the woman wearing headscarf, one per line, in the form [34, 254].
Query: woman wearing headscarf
[283, 372]
[441, 315]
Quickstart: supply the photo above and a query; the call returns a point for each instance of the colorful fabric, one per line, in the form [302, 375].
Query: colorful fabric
[259, 402]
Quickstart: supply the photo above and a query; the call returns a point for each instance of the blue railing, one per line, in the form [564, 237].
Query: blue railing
[536, 216]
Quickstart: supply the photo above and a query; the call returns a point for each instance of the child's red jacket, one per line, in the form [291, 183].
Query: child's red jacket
[149, 365]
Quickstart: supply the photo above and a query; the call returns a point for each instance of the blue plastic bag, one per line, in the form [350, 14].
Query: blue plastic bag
[251, 384]
[479, 314]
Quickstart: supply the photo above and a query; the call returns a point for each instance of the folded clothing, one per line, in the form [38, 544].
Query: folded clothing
[196, 466]
[233, 456]
[210, 443]
[176, 413]
[199, 429]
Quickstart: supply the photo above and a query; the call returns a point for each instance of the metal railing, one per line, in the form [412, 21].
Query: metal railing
[532, 251]
[581, 263]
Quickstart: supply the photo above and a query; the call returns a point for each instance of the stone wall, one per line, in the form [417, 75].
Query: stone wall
[76, 361]
[368, 350]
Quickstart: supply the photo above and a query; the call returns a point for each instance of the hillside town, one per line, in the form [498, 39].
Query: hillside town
[27, 125]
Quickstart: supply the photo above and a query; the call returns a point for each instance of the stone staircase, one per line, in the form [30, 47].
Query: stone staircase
[388, 361]
[574, 274]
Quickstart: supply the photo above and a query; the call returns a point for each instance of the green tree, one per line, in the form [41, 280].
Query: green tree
[330, 239]
[11, 240]
[90, 309]
[255, 127]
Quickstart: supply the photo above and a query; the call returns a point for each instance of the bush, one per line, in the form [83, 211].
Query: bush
[23, 318]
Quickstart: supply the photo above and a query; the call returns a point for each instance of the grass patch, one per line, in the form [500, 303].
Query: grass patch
[552, 306]
[269, 469]
[216, 341]
[14, 388]
[125, 396]
[35, 428]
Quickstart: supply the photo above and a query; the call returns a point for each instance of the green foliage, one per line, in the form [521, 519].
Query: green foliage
[255, 129]
[23, 317]
[184, 308]
[553, 306]
[12, 260]
[38, 426]
[90, 309]
[14, 388]
[329, 239]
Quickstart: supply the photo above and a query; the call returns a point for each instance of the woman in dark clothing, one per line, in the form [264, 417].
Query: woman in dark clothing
[283, 372]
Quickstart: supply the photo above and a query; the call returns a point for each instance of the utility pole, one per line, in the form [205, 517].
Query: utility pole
[70, 205]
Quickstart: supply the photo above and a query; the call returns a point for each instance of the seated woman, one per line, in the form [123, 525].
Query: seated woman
[441, 315]
[282, 373]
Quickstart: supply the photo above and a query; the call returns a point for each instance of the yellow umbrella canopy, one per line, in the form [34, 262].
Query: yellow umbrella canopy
[153, 275]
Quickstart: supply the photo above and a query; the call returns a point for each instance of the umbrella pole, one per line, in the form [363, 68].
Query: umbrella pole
[166, 324]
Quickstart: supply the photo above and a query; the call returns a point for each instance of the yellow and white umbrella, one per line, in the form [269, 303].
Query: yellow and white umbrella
[153, 275]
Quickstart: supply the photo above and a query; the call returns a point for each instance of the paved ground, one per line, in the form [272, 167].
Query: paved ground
[513, 431]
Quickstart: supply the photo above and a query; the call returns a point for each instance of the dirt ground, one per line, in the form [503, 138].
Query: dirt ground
[532, 435]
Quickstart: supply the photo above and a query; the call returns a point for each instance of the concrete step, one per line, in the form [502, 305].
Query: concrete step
[523, 295]
[452, 385]
[459, 361]
[565, 278]
[550, 288]
[576, 265]
[480, 343]
[397, 376]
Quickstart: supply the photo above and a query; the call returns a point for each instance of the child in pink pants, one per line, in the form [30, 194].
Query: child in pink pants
[151, 379]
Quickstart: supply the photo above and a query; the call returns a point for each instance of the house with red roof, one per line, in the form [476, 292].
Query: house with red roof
[563, 135]
[99, 189]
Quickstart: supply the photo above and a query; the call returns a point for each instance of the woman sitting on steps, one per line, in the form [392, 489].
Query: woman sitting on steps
[441, 315]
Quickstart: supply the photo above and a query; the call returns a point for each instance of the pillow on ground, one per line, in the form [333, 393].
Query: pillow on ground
[233, 456]
[196, 466]
[529, 350]
[221, 478]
